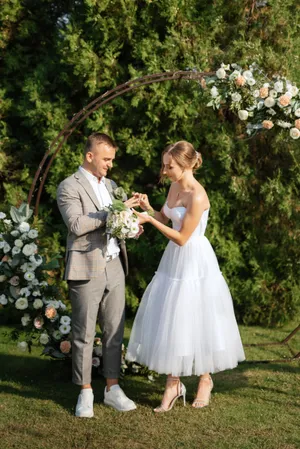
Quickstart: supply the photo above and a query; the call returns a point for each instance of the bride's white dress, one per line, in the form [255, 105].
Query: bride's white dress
[185, 323]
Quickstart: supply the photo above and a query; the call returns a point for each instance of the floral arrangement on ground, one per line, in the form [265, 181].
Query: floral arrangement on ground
[27, 287]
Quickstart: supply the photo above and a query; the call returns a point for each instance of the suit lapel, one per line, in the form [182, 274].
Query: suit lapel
[108, 185]
[87, 187]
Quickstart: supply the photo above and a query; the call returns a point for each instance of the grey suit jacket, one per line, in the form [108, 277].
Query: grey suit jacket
[86, 240]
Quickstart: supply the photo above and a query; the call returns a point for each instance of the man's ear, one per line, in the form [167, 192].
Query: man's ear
[89, 156]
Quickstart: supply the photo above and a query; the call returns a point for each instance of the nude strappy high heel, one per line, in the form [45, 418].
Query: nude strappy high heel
[182, 393]
[200, 403]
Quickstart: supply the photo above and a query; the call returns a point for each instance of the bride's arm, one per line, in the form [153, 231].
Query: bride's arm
[192, 217]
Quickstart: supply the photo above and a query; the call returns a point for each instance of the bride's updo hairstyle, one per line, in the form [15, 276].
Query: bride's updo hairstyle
[184, 154]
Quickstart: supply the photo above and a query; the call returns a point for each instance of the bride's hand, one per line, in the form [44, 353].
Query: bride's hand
[143, 201]
[143, 217]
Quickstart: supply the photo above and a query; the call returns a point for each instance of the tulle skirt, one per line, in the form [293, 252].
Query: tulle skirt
[185, 323]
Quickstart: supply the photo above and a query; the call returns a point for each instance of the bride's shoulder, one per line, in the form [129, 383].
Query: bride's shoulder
[199, 194]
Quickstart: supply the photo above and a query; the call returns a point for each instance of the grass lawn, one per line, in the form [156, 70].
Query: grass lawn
[255, 406]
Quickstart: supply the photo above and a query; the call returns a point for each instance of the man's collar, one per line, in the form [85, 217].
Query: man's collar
[90, 176]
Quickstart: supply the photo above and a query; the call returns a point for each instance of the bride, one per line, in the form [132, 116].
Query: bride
[185, 323]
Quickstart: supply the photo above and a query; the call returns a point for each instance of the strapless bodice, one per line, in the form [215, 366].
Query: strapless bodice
[176, 215]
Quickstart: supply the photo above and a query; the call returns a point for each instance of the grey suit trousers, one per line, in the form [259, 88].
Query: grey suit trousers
[102, 298]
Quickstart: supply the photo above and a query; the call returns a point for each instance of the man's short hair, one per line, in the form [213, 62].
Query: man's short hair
[97, 138]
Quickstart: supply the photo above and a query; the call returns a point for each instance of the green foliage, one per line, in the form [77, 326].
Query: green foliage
[58, 55]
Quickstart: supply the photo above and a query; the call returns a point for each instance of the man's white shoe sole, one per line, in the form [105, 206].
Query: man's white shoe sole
[113, 405]
[84, 415]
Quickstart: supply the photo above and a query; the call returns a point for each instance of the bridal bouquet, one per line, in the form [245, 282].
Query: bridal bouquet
[121, 222]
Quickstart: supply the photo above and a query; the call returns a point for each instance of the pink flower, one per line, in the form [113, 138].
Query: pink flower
[267, 124]
[284, 100]
[38, 322]
[263, 92]
[240, 81]
[50, 312]
[97, 341]
[297, 123]
[14, 280]
[65, 347]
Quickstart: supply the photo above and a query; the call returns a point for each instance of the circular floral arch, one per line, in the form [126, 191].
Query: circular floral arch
[257, 100]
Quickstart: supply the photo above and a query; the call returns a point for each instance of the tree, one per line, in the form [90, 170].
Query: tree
[58, 55]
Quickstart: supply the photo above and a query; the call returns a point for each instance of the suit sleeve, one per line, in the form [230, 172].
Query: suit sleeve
[70, 207]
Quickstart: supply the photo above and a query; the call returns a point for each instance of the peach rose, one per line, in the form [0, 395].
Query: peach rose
[297, 123]
[263, 92]
[50, 312]
[267, 124]
[284, 100]
[65, 347]
[240, 81]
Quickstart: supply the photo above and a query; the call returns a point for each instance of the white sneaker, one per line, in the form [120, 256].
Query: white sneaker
[117, 399]
[84, 407]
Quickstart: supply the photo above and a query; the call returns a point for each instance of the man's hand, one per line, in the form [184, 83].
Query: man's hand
[132, 202]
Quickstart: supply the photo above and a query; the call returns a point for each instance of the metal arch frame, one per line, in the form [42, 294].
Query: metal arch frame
[86, 111]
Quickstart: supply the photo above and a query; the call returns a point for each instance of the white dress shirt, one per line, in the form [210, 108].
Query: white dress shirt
[104, 199]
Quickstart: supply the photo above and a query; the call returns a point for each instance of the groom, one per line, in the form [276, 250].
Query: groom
[95, 271]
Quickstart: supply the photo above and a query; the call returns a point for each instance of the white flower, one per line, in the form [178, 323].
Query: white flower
[248, 75]
[243, 114]
[53, 302]
[255, 93]
[214, 92]
[2, 243]
[278, 86]
[44, 338]
[297, 114]
[221, 74]
[25, 291]
[31, 266]
[24, 236]
[36, 259]
[65, 320]
[36, 293]
[29, 276]
[35, 282]
[2, 215]
[29, 249]
[19, 243]
[225, 66]
[269, 102]
[65, 329]
[33, 234]
[2, 278]
[7, 222]
[25, 320]
[15, 250]
[22, 346]
[283, 124]
[135, 368]
[234, 74]
[38, 304]
[24, 227]
[62, 306]
[271, 111]
[24, 267]
[293, 90]
[3, 300]
[15, 233]
[21, 303]
[236, 97]
[273, 93]
[6, 248]
[56, 335]
[294, 133]
[251, 81]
